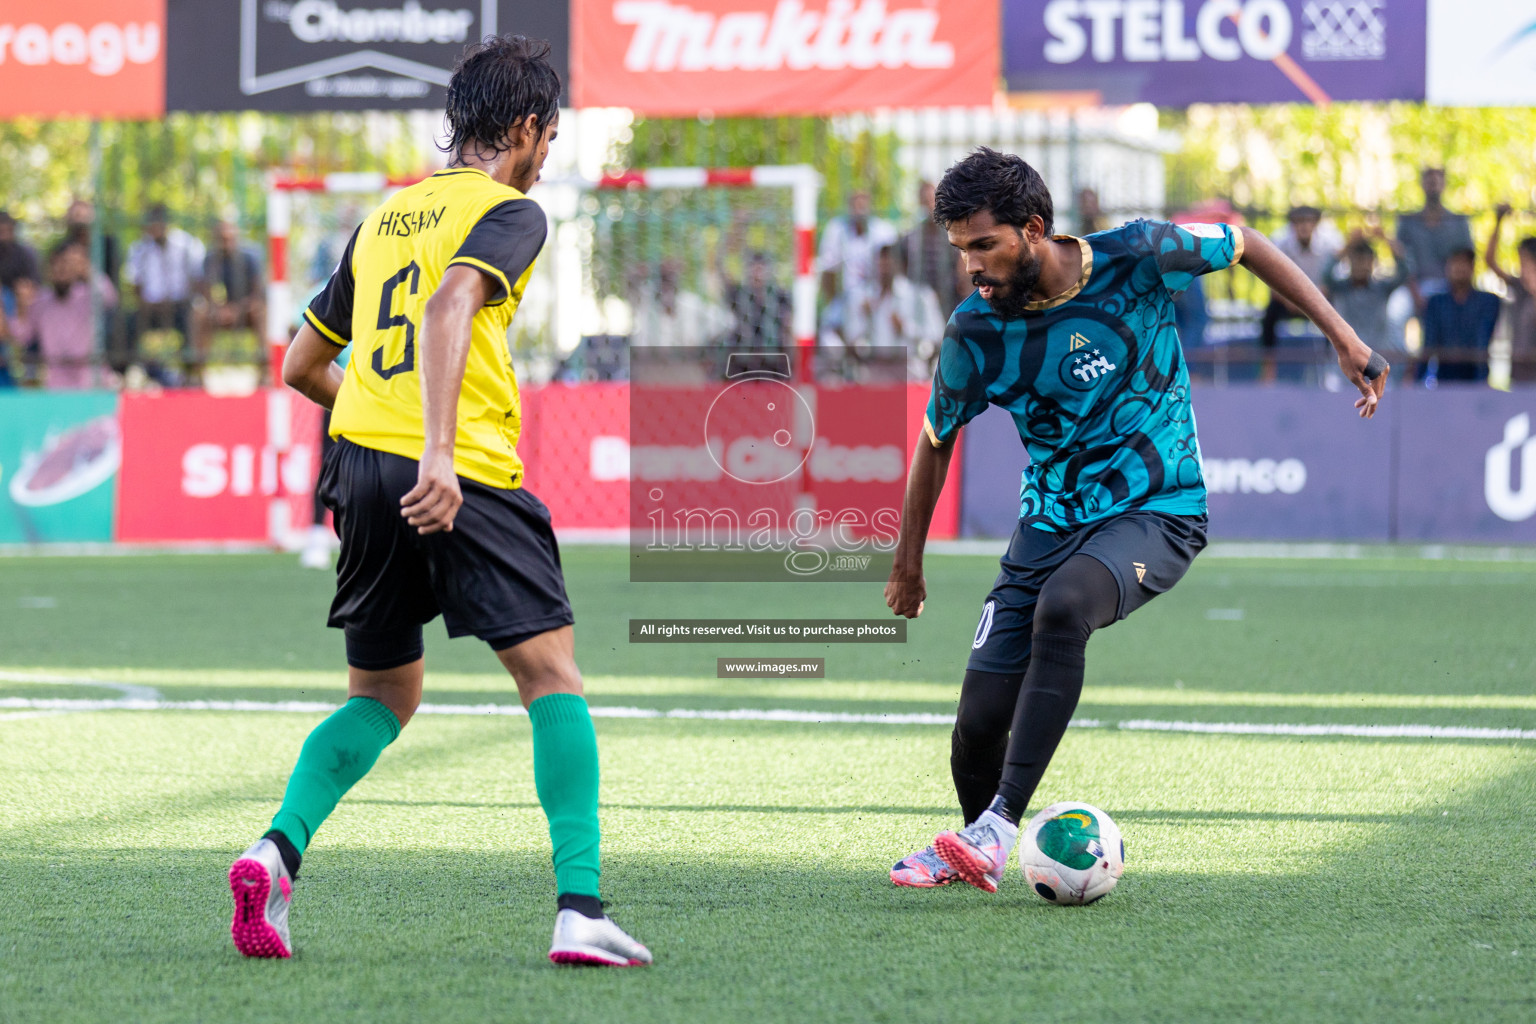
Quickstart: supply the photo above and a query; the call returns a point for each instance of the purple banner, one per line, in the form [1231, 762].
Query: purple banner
[1467, 465]
[1453, 465]
[1177, 52]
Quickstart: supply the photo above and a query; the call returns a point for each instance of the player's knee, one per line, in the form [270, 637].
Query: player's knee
[1059, 612]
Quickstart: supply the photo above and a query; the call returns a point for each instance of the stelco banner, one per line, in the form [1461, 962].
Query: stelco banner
[663, 58]
[82, 58]
[1177, 52]
[337, 54]
[1483, 61]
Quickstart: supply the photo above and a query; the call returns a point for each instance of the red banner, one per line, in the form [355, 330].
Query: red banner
[87, 58]
[663, 58]
[197, 468]
[200, 468]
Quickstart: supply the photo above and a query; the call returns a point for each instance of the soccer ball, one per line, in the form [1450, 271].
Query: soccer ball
[1072, 853]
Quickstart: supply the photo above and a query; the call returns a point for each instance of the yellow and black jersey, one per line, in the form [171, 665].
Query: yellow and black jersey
[375, 298]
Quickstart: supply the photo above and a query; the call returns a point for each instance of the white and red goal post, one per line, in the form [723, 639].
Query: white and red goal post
[280, 194]
[805, 189]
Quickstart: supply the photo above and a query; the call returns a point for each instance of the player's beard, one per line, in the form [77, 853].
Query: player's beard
[1011, 296]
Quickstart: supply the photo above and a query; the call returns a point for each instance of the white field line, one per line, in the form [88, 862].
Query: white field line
[131, 691]
[1438, 732]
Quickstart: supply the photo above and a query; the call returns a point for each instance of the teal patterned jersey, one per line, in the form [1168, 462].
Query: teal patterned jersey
[1095, 378]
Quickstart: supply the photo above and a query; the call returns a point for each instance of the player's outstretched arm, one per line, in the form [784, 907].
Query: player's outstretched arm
[443, 347]
[1365, 369]
[906, 589]
[309, 366]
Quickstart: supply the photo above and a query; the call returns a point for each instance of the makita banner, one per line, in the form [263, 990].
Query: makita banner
[82, 58]
[1177, 52]
[1457, 464]
[766, 57]
[337, 54]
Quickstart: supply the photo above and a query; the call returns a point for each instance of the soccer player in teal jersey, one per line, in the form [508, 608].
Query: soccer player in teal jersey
[1075, 338]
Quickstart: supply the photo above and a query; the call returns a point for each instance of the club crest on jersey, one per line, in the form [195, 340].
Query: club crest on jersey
[1088, 367]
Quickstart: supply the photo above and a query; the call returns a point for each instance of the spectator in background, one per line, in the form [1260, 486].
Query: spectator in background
[672, 315]
[929, 258]
[900, 313]
[18, 262]
[761, 310]
[165, 269]
[1429, 237]
[1090, 216]
[1361, 296]
[1522, 292]
[1312, 246]
[59, 321]
[1458, 325]
[232, 280]
[849, 246]
[78, 221]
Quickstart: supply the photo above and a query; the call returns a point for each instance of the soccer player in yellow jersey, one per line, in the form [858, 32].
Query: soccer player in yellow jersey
[427, 490]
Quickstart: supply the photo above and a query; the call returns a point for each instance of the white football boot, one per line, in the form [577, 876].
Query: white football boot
[263, 889]
[594, 942]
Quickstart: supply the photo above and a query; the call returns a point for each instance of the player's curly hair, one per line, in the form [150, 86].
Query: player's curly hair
[496, 84]
[1000, 182]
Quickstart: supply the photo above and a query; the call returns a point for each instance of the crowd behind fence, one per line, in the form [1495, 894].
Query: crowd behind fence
[100, 302]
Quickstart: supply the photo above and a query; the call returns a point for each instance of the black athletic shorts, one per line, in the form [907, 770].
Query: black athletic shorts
[495, 575]
[1146, 552]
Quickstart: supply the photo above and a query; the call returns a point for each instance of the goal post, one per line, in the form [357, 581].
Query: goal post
[804, 185]
[282, 192]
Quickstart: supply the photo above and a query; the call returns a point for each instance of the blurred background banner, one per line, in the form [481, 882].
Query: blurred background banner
[59, 457]
[337, 54]
[1456, 464]
[1178, 52]
[83, 58]
[1484, 61]
[660, 58]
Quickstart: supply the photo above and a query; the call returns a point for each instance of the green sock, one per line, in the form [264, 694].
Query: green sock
[565, 775]
[338, 753]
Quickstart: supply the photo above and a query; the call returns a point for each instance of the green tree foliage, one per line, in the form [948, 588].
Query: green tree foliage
[201, 166]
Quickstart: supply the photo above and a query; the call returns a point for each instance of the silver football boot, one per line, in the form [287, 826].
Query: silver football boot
[263, 889]
[594, 942]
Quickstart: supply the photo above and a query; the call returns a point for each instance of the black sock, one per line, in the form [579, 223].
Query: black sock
[976, 771]
[1049, 696]
[586, 906]
[999, 807]
[292, 858]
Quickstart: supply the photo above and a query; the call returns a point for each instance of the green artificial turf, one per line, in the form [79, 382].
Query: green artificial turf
[1269, 878]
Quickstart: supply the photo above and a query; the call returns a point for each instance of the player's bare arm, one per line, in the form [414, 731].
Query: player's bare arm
[1365, 369]
[446, 327]
[310, 368]
[906, 589]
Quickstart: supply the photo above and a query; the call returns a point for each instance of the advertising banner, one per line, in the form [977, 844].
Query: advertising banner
[338, 54]
[202, 468]
[59, 456]
[1289, 464]
[1177, 52]
[1486, 61]
[766, 57]
[1467, 466]
[1280, 464]
[575, 451]
[83, 58]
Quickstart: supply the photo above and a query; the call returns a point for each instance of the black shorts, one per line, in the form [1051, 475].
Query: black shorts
[495, 575]
[1146, 552]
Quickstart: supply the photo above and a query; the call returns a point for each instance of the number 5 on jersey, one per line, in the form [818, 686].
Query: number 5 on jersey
[388, 319]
